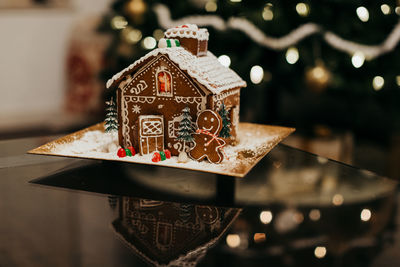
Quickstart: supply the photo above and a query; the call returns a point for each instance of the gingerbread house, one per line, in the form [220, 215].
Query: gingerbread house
[153, 91]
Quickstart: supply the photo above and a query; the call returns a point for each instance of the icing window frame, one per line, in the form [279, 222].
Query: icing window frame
[162, 89]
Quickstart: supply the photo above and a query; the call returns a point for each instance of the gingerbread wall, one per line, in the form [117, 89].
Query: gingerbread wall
[231, 100]
[160, 88]
[141, 95]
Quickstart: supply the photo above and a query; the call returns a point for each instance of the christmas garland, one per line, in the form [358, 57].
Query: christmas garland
[370, 51]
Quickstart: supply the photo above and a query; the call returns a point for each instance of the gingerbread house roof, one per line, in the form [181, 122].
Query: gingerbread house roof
[207, 70]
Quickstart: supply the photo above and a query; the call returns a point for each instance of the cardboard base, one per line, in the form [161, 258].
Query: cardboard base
[255, 141]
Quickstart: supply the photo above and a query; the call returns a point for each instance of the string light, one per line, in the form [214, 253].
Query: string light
[337, 200]
[259, 237]
[397, 10]
[118, 23]
[158, 34]
[362, 13]
[302, 9]
[266, 217]
[298, 217]
[314, 215]
[149, 42]
[378, 82]
[267, 13]
[292, 55]
[233, 240]
[131, 35]
[256, 74]
[358, 59]
[320, 252]
[318, 77]
[398, 80]
[295, 36]
[386, 9]
[224, 60]
[135, 7]
[322, 160]
[236, 1]
[211, 6]
[365, 215]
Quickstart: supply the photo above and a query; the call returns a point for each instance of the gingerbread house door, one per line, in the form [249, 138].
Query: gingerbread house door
[151, 133]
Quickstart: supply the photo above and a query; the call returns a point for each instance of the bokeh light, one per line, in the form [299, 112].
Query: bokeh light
[292, 55]
[211, 6]
[386, 9]
[256, 74]
[266, 217]
[358, 59]
[320, 252]
[224, 60]
[362, 13]
[118, 23]
[302, 9]
[267, 13]
[149, 42]
[233, 240]
[378, 82]
[131, 35]
[314, 214]
[337, 200]
[365, 215]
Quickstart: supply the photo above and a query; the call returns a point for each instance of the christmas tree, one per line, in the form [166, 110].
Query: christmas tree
[111, 121]
[186, 129]
[226, 130]
[302, 70]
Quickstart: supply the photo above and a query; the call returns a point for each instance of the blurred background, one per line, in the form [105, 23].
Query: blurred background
[329, 68]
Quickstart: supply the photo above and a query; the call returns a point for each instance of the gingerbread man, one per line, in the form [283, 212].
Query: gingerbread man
[207, 144]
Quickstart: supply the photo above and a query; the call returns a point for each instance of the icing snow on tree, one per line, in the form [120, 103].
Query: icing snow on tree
[111, 117]
[186, 129]
[226, 130]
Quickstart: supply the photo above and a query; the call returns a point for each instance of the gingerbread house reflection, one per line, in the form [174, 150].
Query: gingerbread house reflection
[172, 234]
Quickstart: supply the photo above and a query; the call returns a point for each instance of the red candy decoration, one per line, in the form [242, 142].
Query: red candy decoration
[121, 153]
[167, 153]
[132, 150]
[156, 157]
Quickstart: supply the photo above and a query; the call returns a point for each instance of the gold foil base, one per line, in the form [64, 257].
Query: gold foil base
[254, 142]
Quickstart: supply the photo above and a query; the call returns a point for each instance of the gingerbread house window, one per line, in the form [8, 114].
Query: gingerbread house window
[164, 83]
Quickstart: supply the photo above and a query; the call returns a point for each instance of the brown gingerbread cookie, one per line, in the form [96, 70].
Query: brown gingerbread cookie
[207, 144]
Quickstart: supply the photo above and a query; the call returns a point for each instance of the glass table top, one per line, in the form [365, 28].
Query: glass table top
[293, 209]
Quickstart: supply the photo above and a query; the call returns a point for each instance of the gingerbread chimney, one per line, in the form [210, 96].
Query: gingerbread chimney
[191, 38]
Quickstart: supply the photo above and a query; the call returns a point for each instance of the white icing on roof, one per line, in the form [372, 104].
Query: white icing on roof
[207, 70]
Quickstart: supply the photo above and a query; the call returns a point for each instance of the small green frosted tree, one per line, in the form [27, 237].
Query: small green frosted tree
[226, 123]
[186, 129]
[111, 121]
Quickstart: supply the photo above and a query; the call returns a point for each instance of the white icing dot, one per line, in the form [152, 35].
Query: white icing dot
[205, 138]
[205, 118]
[212, 119]
[205, 149]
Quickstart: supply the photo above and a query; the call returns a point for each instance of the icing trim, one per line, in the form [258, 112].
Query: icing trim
[200, 34]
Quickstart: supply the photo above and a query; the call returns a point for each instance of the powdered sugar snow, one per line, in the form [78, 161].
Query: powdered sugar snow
[255, 141]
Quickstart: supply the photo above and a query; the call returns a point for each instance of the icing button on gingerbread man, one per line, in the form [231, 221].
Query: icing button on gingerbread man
[207, 144]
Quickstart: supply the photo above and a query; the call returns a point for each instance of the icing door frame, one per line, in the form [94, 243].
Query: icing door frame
[151, 133]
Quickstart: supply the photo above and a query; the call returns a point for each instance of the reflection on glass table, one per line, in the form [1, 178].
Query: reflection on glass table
[168, 233]
[293, 209]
